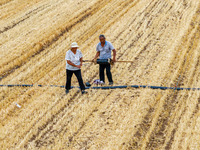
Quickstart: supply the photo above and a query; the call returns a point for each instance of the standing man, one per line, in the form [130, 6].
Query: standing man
[74, 59]
[104, 49]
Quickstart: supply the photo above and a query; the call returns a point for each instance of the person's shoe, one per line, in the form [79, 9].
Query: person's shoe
[110, 83]
[66, 91]
[84, 92]
[101, 83]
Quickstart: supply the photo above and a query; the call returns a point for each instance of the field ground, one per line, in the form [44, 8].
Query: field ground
[162, 37]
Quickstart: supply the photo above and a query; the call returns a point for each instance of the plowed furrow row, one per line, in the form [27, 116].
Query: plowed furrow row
[3, 2]
[38, 49]
[26, 16]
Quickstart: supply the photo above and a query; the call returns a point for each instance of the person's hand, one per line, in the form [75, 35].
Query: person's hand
[78, 66]
[112, 61]
[94, 60]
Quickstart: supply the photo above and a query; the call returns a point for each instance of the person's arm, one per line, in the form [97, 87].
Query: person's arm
[111, 47]
[81, 60]
[96, 56]
[70, 63]
[114, 55]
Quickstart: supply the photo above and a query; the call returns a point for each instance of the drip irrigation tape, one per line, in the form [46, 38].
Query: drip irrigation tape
[105, 87]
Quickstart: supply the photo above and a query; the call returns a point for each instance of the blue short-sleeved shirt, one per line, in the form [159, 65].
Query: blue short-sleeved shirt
[105, 52]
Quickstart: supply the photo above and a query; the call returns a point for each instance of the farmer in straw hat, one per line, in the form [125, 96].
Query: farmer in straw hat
[74, 59]
[104, 49]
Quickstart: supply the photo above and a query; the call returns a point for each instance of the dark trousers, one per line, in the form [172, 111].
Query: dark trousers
[78, 76]
[102, 67]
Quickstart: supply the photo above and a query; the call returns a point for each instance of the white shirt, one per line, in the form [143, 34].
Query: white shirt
[74, 58]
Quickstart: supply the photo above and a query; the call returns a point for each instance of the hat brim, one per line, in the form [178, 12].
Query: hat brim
[75, 46]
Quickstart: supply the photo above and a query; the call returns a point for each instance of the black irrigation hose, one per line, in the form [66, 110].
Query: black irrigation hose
[107, 87]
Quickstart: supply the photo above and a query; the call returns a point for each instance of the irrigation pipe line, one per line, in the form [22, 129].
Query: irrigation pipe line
[106, 87]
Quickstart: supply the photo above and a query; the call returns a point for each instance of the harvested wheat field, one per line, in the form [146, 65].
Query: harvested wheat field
[161, 37]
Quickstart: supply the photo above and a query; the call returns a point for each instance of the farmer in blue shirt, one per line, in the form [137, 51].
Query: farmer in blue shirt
[104, 49]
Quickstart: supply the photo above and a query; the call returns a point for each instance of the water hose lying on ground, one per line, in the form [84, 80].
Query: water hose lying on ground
[107, 87]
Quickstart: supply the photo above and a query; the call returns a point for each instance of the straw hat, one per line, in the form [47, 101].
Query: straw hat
[74, 44]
